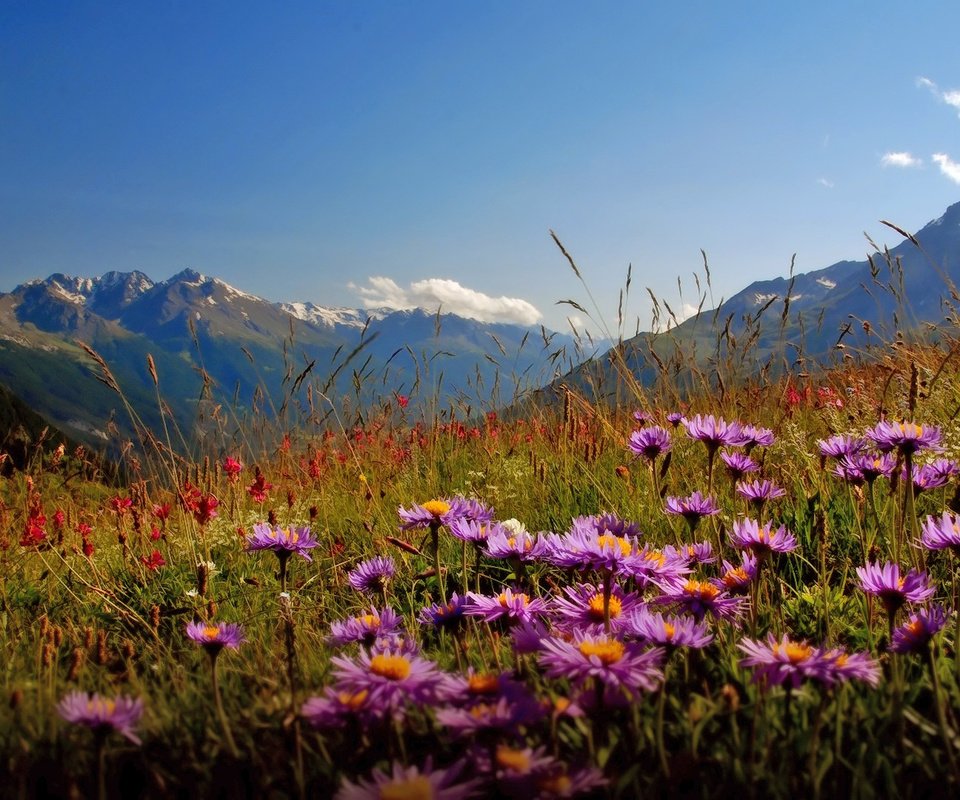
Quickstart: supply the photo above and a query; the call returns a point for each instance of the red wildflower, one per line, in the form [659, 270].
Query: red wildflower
[120, 505]
[154, 561]
[233, 468]
[161, 511]
[402, 400]
[259, 488]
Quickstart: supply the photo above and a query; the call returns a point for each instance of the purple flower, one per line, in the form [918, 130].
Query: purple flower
[650, 442]
[738, 464]
[715, 432]
[700, 598]
[445, 616]
[675, 418]
[941, 533]
[657, 566]
[502, 715]
[692, 508]
[843, 666]
[748, 534]
[583, 548]
[873, 465]
[513, 606]
[102, 714]
[907, 437]
[581, 608]
[934, 475]
[519, 544]
[642, 417]
[432, 513]
[756, 436]
[885, 582]
[609, 524]
[337, 709]
[615, 663]
[668, 632]
[758, 492]
[213, 637]
[841, 445]
[366, 628]
[469, 530]
[785, 661]
[392, 677]
[410, 782]
[914, 636]
[372, 576]
[737, 580]
[480, 687]
[283, 541]
[696, 553]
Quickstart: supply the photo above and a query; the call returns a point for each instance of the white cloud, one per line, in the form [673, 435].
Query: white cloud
[900, 159]
[948, 166]
[951, 97]
[825, 183]
[448, 295]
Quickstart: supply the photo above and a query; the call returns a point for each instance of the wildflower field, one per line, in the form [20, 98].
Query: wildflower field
[743, 591]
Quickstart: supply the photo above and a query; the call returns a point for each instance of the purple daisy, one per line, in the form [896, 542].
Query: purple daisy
[509, 605]
[907, 437]
[761, 540]
[583, 548]
[715, 432]
[581, 608]
[843, 666]
[337, 709]
[519, 544]
[365, 628]
[841, 445]
[669, 632]
[872, 465]
[502, 716]
[696, 553]
[445, 616]
[738, 464]
[283, 541]
[373, 575]
[755, 436]
[642, 417]
[676, 419]
[941, 533]
[214, 636]
[393, 678]
[101, 714]
[401, 781]
[757, 493]
[432, 513]
[693, 508]
[480, 687]
[609, 524]
[785, 661]
[657, 566]
[700, 598]
[736, 580]
[914, 636]
[615, 663]
[934, 475]
[885, 582]
[470, 530]
[651, 443]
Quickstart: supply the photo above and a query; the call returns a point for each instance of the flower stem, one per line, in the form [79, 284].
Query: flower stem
[221, 714]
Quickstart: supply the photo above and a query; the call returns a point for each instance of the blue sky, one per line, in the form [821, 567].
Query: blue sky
[411, 152]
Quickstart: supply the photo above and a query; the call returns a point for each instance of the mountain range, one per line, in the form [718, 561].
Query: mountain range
[121, 350]
[799, 322]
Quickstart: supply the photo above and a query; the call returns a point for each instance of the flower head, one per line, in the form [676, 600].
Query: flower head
[283, 541]
[715, 432]
[650, 442]
[737, 580]
[692, 508]
[914, 636]
[885, 582]
[614, 662]
[761, 540]
[669, 632]
[392, 677]
[785, 661]
[738, 464]
[509, 605]
[700, 598]
[907, 437]
[102, 714]
[580, 607]
[941, 533]
[841, 445]
[410, 783]
[213, 637]
[446, 616]
[372, 576]
[366, 628]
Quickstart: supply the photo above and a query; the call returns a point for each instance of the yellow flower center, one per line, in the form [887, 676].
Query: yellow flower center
[211, 632]
[561, 704]
[736, 577]
[515, 760]
[914, 628]
[608, 542]
[370, 621]
[436, 507]
[486, 683]
[353, 700]
[795, 652]
[504, 599]
[609, 651]
[704, 589]
[595, 607]
[669, 630]
[416, 788]
[394, 668]
[659, 558]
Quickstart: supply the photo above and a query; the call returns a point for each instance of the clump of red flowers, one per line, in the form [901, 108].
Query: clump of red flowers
[202, 506]
[260, 487]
